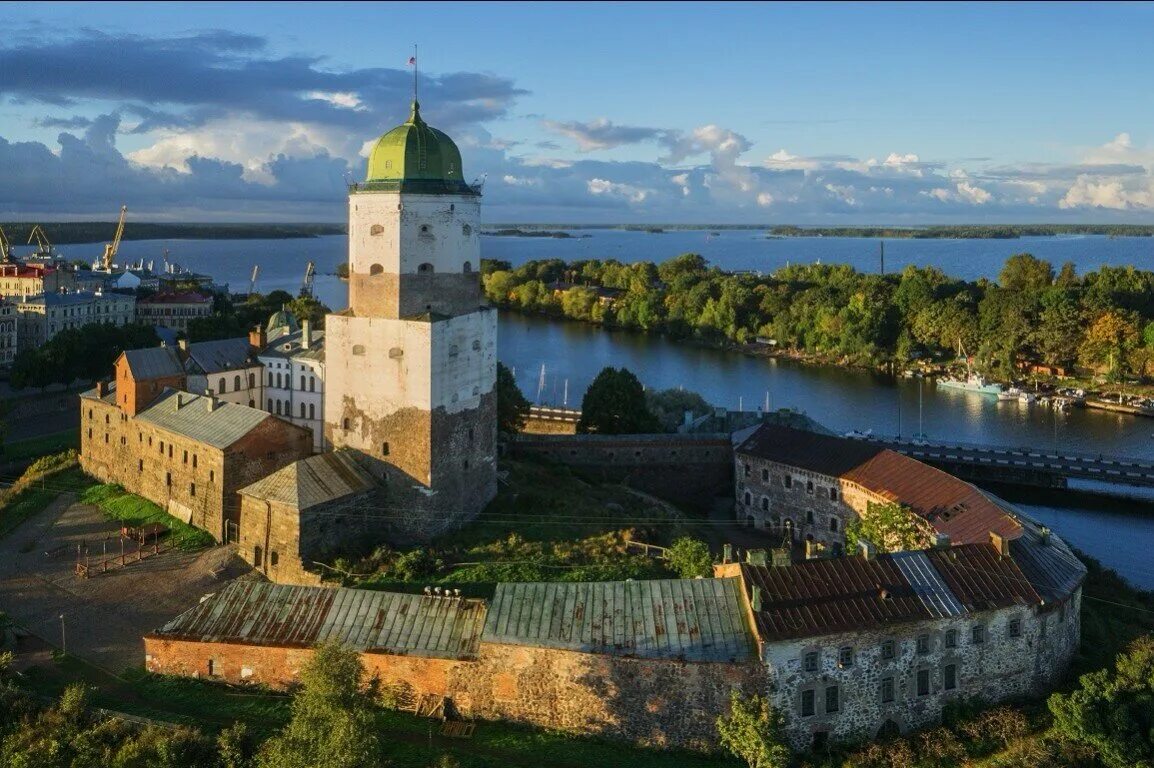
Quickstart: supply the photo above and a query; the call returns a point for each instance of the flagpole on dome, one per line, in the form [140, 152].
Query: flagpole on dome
[413, 61]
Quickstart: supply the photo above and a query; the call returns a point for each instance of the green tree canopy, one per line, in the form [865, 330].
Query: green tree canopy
[1113, 710]
[752, 731]
[670, 405]
[332, 717]
[690, 558]
[512, 407]
[615, 404]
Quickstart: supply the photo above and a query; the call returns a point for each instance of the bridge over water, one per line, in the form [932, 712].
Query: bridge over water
[1025, 465]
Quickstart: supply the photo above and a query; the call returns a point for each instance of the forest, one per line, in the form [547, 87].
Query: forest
[71, 232]
[1101, 322]
[969, 231]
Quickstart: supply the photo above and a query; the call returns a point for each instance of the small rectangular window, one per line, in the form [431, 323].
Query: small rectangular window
[923, 682]
[211, 667]
[140, 465]
[833, 494]
[832, 699]
[788, 481]
[808, 706]
[273, 558]
[192, 489]
[1015, 627]
[978, 634]
[810, 661]
[845, 657]
[809, 487]
[923, 645]
[887, 690]
[745, 469]
[951, 638]
[888, 650]
[168, 479]
[950, 677]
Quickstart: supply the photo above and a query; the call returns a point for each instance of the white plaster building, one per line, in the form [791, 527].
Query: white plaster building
[294, 377]
[44, 316]
[227, 368]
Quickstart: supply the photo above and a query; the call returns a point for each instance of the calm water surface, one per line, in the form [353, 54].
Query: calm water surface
[573, 353]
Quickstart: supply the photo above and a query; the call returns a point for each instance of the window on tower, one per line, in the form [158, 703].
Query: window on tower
[376, 229]
[425, 267]
[468, 267]
[376, 269]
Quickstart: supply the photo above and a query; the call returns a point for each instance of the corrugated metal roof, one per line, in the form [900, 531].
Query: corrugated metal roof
[315, 480]
[981, 579]
[220, 355]
[842, 594]
[1051, 568]
[257, 613]
[690, 619]
[927, 584]
[153, 363]
[220, 427]
[952, 506]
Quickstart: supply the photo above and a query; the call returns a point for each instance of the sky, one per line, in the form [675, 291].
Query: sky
[769, 113]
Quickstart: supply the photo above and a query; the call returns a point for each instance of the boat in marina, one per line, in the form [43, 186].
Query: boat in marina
[972, 383]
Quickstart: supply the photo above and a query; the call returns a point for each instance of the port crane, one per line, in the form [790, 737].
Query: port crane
[307, 285]
[252, 282]
[110, 249]
[43, 247]
[5, 247]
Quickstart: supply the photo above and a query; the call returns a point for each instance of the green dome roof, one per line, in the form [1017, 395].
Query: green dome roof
[282, 318]
[416, 157]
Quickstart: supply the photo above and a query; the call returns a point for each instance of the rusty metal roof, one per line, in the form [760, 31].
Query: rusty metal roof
[828, 596]
[312, 481]
[982, 579]
[952, 506]
[256, 613]
[690, 619]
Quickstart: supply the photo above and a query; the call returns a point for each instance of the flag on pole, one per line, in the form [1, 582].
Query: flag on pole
[412, 61]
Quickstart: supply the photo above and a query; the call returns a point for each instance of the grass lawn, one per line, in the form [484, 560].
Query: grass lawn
[39, 446]
[546, 524]
[127, 507]
[38, 494]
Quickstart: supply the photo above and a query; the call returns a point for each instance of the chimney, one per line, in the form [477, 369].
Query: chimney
[755, 600]
[179, 400]
[781, 557]
[1044, 532]
[1000, 543]
[210, 401]
[727, 553]
[867, 548]
[941, 541]
[257, 337]
[101, 388]
[755, 557]
[812, 550]
[306, 333]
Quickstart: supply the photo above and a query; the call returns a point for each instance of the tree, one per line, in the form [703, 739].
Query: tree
[752, 731]
[890, 527]
[690, 558]
[1109, 341]
[1113, 710]
[332, 717]
[1026, 272]
[512, 407]
[308, 308]
[615, 404]
[670, 405]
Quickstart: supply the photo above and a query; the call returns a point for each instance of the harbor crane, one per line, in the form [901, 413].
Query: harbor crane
[43, 247]
[307, 285]
[5, 247]
[110, 249]
[252, 282]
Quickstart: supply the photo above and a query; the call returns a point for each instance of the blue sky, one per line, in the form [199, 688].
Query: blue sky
[804, 113]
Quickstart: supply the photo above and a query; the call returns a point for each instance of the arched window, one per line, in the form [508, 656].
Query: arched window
[269, 409]
[345, 424]
[425, 268]
[302, 382]
[312, 384]
[747, 498]
[278, 386]
[376, 229]
[223, 388]
[376, 269]
[236, 383]
[468, 267]
[251, 380]
[302, 410]
[312, 411]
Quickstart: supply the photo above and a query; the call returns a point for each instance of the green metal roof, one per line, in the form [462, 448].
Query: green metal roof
[415, 157]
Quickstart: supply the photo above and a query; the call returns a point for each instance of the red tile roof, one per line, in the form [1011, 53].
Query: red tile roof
[952, 506]
[981, 578]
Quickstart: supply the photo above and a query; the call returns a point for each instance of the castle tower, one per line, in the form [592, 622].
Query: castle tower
[411, 365]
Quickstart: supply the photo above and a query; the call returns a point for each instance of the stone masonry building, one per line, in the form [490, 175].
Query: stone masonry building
[188, 453]
[411, 366]
[804, 486]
